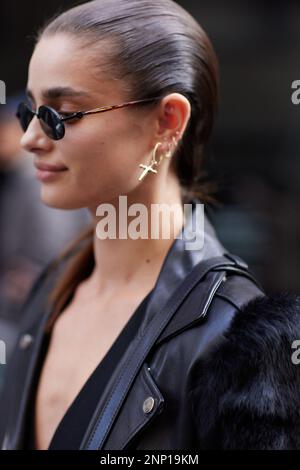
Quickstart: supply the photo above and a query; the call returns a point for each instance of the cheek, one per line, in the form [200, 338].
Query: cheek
[102, 164]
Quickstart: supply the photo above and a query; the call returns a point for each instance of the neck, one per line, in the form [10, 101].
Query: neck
[125, 262]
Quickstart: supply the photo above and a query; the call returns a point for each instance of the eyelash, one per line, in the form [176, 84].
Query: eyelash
[64, 114]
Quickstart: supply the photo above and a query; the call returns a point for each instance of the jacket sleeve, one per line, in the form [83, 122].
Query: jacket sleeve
[246, 391]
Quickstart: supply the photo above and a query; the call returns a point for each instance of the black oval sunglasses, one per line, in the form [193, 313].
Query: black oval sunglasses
[52, 122]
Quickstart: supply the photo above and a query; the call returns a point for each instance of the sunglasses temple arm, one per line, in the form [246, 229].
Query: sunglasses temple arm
[103, 109]
[108, 108]
[80, 114]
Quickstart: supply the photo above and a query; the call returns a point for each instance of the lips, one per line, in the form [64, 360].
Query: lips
[47, 172]
[49, 167]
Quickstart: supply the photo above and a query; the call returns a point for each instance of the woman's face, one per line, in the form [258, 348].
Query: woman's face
[101, 152]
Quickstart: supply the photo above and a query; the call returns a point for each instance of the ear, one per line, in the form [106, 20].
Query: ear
[173, 116]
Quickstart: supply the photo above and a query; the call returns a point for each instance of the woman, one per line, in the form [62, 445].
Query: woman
[140, 342]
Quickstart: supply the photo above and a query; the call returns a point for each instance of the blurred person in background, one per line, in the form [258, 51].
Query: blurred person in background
[31, 233]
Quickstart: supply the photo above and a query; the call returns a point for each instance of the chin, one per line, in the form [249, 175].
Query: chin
[59, 200]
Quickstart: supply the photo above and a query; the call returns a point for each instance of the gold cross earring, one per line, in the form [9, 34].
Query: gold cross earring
[148, 168]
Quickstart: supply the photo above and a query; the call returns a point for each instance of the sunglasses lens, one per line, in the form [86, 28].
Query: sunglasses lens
[25, 115]
[51, 124]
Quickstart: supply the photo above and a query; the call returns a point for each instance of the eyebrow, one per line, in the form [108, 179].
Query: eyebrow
[58, 92]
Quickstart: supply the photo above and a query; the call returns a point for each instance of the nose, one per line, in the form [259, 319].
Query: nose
[34, 139]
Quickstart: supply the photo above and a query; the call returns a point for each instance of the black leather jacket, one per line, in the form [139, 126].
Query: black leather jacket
[209, 381]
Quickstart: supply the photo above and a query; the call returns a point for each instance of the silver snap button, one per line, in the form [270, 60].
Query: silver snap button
[224, 278]
[148, 405]
[25, 341]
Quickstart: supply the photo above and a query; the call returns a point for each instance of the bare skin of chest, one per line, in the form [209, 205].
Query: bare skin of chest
[81, 337]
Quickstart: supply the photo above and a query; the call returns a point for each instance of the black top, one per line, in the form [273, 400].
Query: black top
[72, 427]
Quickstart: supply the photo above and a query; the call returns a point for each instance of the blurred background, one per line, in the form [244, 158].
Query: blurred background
[253, 155]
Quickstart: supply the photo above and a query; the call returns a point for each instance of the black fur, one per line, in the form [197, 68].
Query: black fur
[247, 393]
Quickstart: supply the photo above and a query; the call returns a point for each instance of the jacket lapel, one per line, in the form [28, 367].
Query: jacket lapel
[148, 402]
